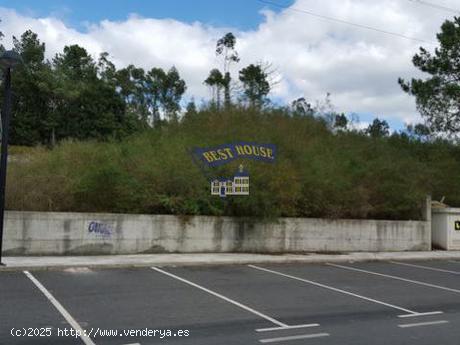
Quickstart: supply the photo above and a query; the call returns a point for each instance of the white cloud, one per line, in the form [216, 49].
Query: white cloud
[313, 56]
[359, 126]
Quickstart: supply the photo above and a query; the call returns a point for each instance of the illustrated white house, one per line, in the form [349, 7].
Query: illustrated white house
[226, 186]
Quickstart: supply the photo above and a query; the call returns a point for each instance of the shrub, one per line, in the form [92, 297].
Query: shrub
[317, 173]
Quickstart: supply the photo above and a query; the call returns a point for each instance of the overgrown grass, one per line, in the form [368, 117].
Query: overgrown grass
[317, 173]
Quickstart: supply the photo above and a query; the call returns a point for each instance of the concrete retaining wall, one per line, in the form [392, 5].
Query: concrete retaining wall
[40, 233]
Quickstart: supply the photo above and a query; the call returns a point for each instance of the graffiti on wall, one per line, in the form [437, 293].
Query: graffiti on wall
[100, 229]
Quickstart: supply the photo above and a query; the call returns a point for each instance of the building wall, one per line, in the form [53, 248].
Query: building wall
[439, 230]
[42, 233]
[443, 228]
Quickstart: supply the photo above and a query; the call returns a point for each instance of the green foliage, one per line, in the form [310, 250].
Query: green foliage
[438, 95]
[378, 128]
[300, 107]
[340, 121]
[318, 173]
[216, 82]
[112, 152]
[74, 96]
[255, 84]
[225, 47]
[221, 81]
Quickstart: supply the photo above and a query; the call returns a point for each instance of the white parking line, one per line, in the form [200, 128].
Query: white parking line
[242, 306]
[408, 325]
[396, 277]
[421, 314]
[424, 267]
[75, 325]
[333, 289]
[293, 337]
[288, 327]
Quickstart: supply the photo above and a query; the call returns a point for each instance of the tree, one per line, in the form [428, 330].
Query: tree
[76, 64]
[190, 109]
[106, 69]
[75, 96]
[301, 107]
[226, 47]
[135, 88]
[87, 106]
[438, 96]
[147, 94]
[378, 129]
[325, 110]
[340, 122]
[216, 82]
[31, 49]
[255, 85]
[172, 91]
[156, 81]
[419, 132]
[33, 117]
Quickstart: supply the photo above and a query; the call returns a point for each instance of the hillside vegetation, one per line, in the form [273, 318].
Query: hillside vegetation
[319, 172]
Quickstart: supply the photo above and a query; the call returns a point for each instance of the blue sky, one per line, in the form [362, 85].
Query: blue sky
[240, 14]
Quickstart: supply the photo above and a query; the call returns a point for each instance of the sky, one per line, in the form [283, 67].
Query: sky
[309, 54]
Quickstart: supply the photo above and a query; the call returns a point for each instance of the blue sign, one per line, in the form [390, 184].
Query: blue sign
[223, 154]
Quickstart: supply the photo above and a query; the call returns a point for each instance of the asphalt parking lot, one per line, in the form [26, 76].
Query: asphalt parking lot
[353, 303]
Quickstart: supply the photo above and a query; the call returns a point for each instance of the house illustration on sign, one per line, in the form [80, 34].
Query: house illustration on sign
[226, 186]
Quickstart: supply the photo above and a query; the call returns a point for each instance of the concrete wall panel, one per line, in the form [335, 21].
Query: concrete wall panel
[43, 233]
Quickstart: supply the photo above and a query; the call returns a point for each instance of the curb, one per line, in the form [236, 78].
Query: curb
[218, 260]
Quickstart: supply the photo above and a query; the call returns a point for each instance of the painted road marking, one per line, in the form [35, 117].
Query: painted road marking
[293, 337]
[334, 289]
[288, 327]
[87, 340]
[425, 267]
[408, 325]
[242, 306]
[396, 277]
[422, 314]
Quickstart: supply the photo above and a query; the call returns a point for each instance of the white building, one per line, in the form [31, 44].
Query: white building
[225, 186]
